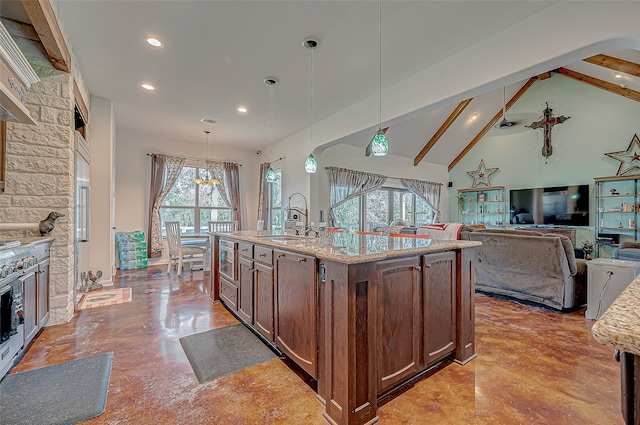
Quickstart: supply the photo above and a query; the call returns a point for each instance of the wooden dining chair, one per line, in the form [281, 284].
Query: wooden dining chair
[223, 226]
[179, 253]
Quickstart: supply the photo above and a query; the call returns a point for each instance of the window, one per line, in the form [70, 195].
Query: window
[381, 207]
[193, 205]
[275, 206]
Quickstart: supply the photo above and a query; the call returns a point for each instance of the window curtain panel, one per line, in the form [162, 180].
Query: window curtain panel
[345, 184]
[429, 191]
[216, 169]
[164, 173]
[232, 179]
[263, 201]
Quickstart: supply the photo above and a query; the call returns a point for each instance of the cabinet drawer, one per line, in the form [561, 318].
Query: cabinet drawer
[229, 294]
[245, 249]
[263, 254]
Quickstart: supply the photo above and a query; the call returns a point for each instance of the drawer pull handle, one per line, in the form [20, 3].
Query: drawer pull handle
[244, 250]
[302, 260]
[262, 255]
[280, 255]
[419, 269]
[252, 270]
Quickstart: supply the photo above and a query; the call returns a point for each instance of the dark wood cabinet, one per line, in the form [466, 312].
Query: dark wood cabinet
[439, 289]
[263, 300]
[296, 301]
[43, 293]
[30, 304]
[245, 289]
[229, 294]
[399, 321]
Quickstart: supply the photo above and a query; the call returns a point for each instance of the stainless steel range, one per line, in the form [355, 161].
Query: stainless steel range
[15, 262]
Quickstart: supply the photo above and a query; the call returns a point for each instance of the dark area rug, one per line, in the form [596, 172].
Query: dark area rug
[66, 393]
[218, 352]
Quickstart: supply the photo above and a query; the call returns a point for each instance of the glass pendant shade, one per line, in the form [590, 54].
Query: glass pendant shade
[379, 144]
[310, 165]
[270, 175]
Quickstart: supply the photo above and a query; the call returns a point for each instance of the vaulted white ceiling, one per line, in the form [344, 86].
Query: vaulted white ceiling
[216, 55]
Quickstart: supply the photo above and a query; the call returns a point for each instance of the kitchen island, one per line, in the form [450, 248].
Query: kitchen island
[365, 316]
[619, 328]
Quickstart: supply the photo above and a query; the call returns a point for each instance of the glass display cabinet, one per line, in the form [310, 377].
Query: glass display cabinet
[482, 206]
[617, 199]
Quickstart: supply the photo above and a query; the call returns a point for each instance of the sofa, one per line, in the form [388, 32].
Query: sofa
[529, 266]
[628, 250]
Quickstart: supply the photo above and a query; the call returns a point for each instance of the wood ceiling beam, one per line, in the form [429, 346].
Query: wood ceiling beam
[494, 120]
[46, 25]
[604, 85]
[616, 64]
[443, 128]
[544, 75]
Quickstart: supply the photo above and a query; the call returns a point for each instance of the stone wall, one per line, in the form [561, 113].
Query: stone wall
[40, 178]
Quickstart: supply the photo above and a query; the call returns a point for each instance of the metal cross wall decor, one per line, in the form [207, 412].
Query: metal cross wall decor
[546, 123]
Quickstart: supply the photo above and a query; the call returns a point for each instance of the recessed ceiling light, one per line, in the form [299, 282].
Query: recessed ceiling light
[242, 109]
[148, 87]
[154, 42]
[618, 75]
[208, 120]
[474, 116]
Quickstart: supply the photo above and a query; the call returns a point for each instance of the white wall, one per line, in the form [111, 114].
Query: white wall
[133, 175]
[102, 137]
[600, 122]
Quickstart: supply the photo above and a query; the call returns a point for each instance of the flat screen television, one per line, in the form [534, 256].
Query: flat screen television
[557, 205]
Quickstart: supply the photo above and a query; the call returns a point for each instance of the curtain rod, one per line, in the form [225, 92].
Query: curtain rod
[276, 160]
[194, 159]
[389, 177]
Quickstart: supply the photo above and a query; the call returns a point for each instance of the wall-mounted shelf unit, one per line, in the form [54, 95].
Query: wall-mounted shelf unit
[483, 206]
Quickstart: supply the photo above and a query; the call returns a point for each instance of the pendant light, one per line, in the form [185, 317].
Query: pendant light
[379, 144]
[270, 175]
[310, 165]
[203, 181]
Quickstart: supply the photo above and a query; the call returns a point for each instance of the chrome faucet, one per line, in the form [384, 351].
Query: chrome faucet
[297, 209]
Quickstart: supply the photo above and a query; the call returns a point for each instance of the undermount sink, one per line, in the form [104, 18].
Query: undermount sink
[283, 237]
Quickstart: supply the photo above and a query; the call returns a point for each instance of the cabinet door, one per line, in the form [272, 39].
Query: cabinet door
[296, 309]
[245, 287]
[439, 277]
[30, 300]
[263, 300]
[399, 320]
[43, 293]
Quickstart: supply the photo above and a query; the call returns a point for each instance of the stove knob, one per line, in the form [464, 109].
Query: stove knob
[18, 264]
[4, 271]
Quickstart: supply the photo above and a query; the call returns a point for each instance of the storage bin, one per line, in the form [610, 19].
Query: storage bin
[134, 236]
[133, 254]
[132, 246]
[140, 263]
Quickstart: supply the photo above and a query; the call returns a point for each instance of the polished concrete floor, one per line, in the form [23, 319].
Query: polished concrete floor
[534, 366]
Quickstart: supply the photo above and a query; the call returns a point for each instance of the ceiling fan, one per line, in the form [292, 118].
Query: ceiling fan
[505, 123]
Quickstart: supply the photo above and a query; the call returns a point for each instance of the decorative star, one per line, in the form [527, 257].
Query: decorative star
[629, 159]
[482, 175]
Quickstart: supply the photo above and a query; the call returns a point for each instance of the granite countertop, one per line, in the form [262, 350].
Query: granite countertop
[348, 248]
[619, 326]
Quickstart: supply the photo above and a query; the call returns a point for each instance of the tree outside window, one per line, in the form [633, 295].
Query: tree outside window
[192, 205]
[381, 207]
[275, 207]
